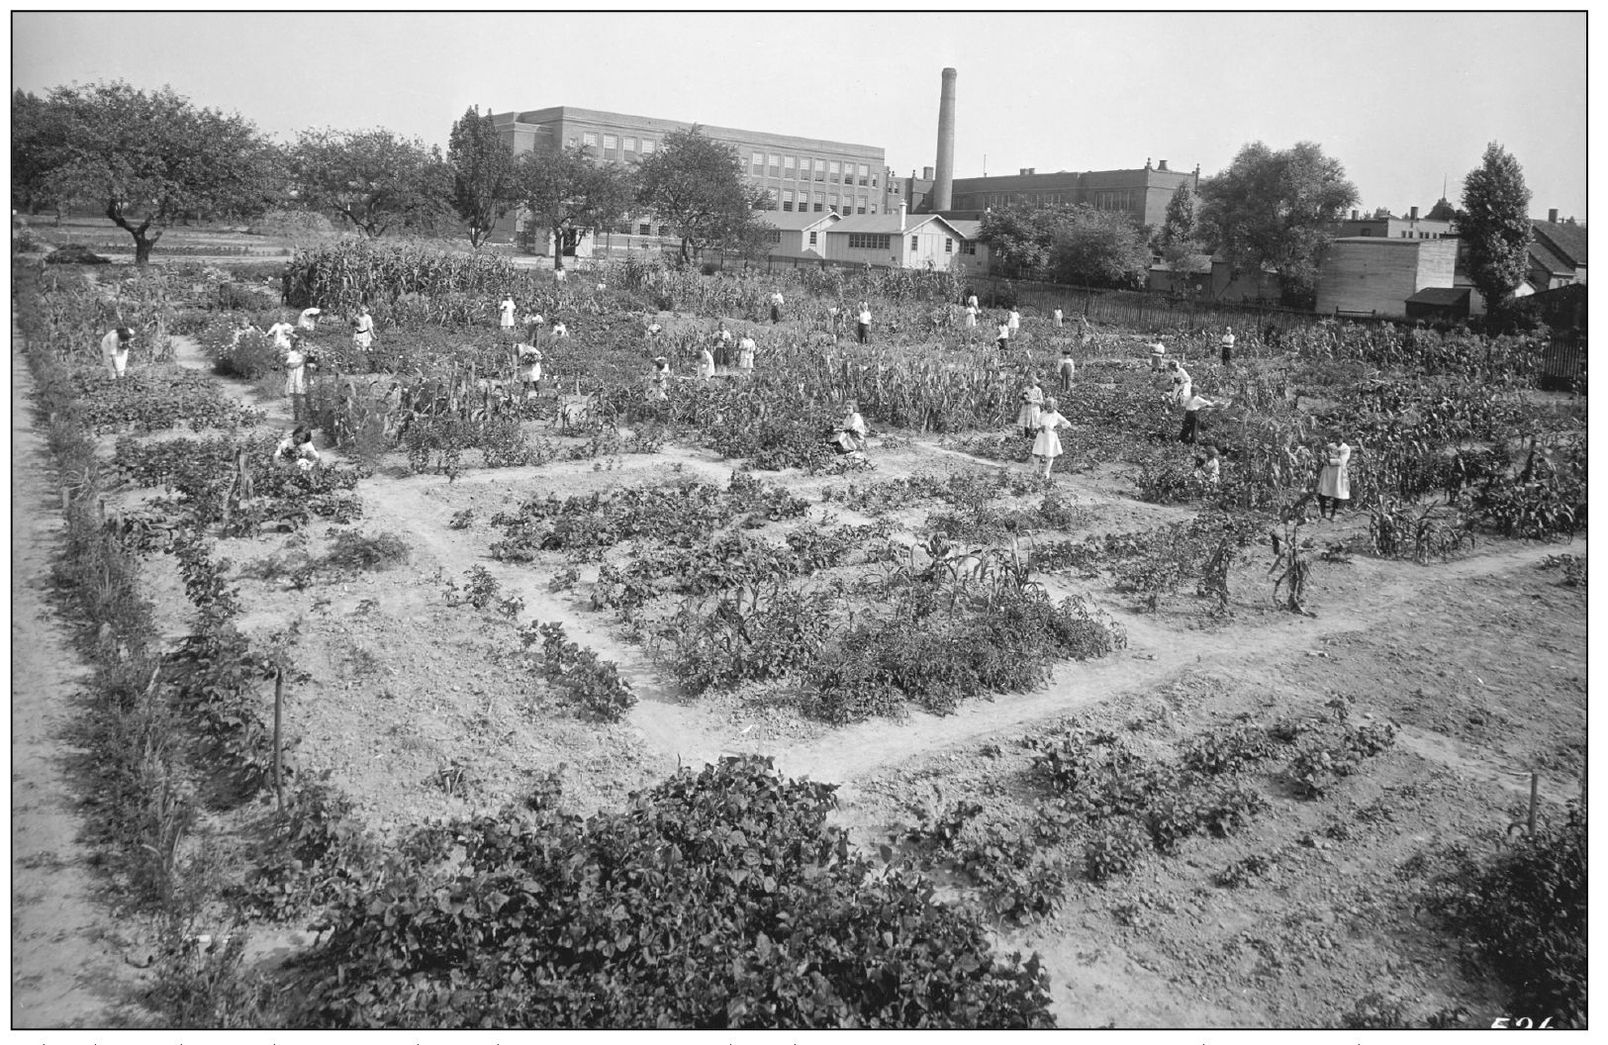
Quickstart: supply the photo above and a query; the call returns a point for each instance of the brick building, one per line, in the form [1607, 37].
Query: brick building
[1142, 194]
[801, 174]
[1389, 226]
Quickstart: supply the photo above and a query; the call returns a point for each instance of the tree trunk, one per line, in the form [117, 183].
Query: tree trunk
[143, 245]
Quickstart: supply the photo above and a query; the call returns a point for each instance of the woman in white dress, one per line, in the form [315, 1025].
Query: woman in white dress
[505, 313]
[1334, 481]
[1047, 445]
[1032, 404]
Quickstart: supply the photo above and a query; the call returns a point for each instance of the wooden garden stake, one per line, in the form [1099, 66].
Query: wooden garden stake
[279, 699]
[1535, 785]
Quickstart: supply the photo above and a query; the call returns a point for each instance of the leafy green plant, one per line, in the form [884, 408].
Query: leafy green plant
[593, 684]
[720, 898]
[1114, 850]
[1226, 749]
[353, 550]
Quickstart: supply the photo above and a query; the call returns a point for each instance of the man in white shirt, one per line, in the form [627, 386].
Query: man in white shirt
[776, 303]
[1192, 408]
[864, 329]
[1228, 345]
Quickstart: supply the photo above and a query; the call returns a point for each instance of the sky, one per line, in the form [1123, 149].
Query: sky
[1402, 100]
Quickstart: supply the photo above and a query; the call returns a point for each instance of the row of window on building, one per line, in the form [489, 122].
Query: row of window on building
[884, 241]
[611, 142]
[805, 168]
[1109, 200]
[803, 202]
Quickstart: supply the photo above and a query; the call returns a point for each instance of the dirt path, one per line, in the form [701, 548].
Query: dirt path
[65, 967]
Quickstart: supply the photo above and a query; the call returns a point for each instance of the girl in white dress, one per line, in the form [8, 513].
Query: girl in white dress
[1047, 445]
[1334, 481]
[1032, 402]
[706, 363]
[505, 318]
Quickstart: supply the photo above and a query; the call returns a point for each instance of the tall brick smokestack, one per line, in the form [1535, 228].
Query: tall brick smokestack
[944, 185]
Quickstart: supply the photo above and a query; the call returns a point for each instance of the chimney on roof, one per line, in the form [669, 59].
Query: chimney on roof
[1353, 214]
[1552, 216]
[1413, 214]
[1147, 163]
[901, 217]
[1024, 170]
[926, 174]
[943, 186]
[1162, 165]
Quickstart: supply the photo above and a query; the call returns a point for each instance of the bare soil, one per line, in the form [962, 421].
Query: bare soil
[1481, 661]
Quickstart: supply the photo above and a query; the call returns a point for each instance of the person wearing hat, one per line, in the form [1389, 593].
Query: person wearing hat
[114, 351]
[308, 320]
[1227, 341]
[362, 329]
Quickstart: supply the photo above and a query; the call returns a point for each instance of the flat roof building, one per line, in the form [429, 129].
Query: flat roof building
[1142, 193]
[812, 175]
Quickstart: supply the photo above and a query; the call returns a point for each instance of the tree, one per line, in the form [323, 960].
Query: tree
[696, 186]
[36, 147]
[1096, 248]
[1022, 236]
[1494, 225]
[147, 158]
[1177, 241]
[567, 194]
[1276, 210]
[374, 180]
[482, 174]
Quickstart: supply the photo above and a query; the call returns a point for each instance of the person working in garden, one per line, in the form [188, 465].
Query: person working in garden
[281, 331]
[529, 367]
[244, 327]
[849, 437]
[971, 315]
[835, 316]
[1182, 383]
[971, 300]
[114, 351]
[1208, 469]
[505, 313]
[296, 450]
[865, 323]
[296, 364]
[706, 363]
[559, 275]
[1227, 341]
[659, 381]
[534, 321]
[1047, 443]
[1032, 403]
[1066, 368]
[654, 329]
[1084, 330]
[1334, 480]
[1002, 336]
[308, 320]
[776, 303]
[1158, 354]
[1056, 317]
[559, 329]
[745, 353]
[723, 346]
[1192, 408]
[363, 329]
[1014, 321]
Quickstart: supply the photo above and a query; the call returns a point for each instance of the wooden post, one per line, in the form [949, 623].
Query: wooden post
[279, 699]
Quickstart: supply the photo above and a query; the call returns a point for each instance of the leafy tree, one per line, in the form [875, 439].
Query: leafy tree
[148, 158]
[1022, 236]
[568, 194]
[1177, 241]
[482, 174]
[696, 186]
[1494, 225]
[36, 146]
[1277, 210]
[373, 179]
[1100, 249]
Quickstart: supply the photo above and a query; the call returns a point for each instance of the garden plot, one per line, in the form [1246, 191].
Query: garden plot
[1082, 707]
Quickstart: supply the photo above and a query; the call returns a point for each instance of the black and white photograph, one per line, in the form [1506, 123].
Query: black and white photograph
[789, 520]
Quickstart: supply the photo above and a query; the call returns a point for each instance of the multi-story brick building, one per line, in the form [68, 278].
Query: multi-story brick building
[801, 174]
[1142, 194]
